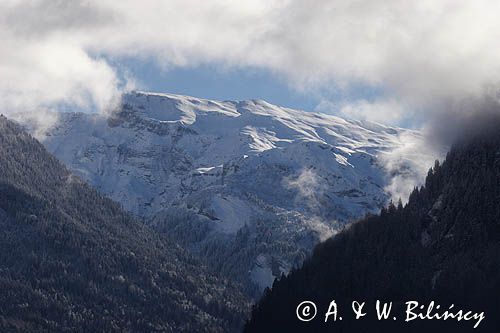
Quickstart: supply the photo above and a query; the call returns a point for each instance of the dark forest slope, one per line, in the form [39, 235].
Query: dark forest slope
[444, 245]
[71, 259]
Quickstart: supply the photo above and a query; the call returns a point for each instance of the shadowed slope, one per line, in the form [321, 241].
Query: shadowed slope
[72, 259]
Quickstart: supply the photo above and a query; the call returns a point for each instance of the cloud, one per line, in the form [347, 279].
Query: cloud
[389, 111]
[308, 186]
[309, 190]
[42, 74]
[416, 51]
[408, 164]
[460, 121]
[43, 66]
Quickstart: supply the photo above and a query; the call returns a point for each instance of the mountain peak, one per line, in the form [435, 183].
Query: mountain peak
[175, 108]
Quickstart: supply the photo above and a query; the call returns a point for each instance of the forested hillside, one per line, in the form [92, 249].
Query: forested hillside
[444, 245]
[72, 260]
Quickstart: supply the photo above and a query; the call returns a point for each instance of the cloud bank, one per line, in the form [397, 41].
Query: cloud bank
[416, 52]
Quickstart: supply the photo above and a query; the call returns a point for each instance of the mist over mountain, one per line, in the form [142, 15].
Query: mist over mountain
[442, 246]
[248, 186]
[73, 260]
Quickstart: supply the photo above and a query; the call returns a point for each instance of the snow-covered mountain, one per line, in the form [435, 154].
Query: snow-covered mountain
[247, 185]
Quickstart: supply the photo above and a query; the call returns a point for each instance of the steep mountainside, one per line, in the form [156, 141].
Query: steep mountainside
[249, 186]
[72, 260]
[443, 246]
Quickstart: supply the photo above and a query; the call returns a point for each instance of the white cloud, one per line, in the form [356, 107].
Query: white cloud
[308, 186]
[389, 111]
[310, 189]
[38, 74]
[416, 51]
[408, 164]
[41, 65]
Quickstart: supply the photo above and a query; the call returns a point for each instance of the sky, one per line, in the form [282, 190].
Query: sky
[238, 83]
[211, 82]
[395, 62]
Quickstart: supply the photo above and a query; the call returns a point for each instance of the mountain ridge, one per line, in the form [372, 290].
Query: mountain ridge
[236, 180]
